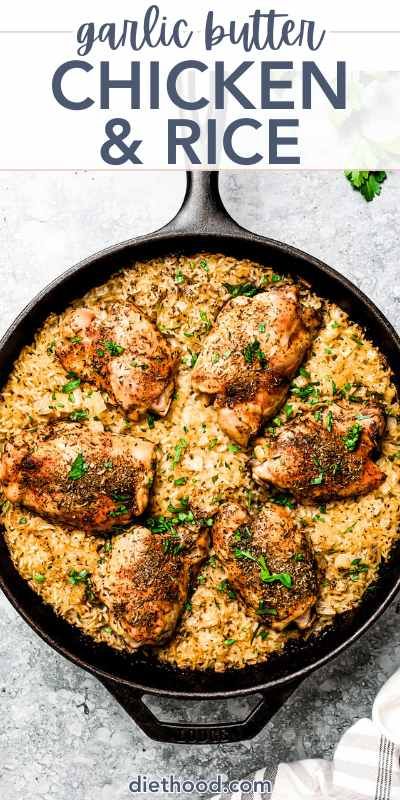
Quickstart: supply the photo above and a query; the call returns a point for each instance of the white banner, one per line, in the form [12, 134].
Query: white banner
[131, 85]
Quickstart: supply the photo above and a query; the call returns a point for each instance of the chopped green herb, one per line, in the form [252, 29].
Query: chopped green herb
[150, 420]
[76, 340]
[78, 469]
[212, 443]
[252, 351]
[179, 277]
[71, 385]
[108, 465]
[113, 348]
[357, 569]
[80, 576]
[284, 500]
[119, 511]
[298, 557]
[335, 324]
[265, 575]
[329, 421]
[317, 480]
[233, 448]
[288, 410]
[188, 606]
[204, 265]
[204, 318]
[352, 437]
[229, 642]
[275, 278]
[51, 347]
[179, 450]
[226, 588]
[38, 577]
[262, 610]
[22, 521]
[304, 373]
[215, 358]
[180, 481]
[242, 289]
[79, 415]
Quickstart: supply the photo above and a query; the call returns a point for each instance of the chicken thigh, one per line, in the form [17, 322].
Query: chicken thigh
[145, 579]
[251, 353]
[119, 350]
[73, 476]
[269, 562]
[324, 455]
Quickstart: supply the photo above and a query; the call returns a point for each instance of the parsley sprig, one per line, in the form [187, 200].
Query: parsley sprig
[369, 184]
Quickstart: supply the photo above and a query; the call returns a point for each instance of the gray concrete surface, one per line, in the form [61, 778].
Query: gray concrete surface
[62, 737]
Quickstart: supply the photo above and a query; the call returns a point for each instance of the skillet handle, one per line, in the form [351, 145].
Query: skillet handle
[208, 733]
[202, 210]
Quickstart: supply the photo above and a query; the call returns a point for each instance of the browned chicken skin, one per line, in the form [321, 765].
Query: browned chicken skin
[73, 476]
[145, 580]
[119, 350]
[324, 458]
[267, 545]
[251, 353]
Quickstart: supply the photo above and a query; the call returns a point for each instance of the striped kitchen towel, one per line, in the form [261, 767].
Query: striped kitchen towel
[365, 766]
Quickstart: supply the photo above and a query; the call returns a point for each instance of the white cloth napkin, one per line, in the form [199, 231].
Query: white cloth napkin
[365, 766]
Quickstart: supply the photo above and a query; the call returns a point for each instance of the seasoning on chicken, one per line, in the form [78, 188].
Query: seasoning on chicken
[269, 562]
[325, 454]
[145, 579]
[251, 353]
[119, 350]
[78, 478]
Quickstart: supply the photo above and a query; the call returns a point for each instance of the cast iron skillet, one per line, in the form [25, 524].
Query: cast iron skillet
[201, 224]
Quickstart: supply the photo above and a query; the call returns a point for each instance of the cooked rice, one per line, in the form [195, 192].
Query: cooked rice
[184, 307]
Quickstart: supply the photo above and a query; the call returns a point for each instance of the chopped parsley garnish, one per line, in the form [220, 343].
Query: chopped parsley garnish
[357, 568]
[358, 341]
[262, 327]
[265, 575]
[329, 421]
[51, 347]
[150, 420]
[317, 480]
[233, 448]
[304, 373]
[179, 277]
[80, 576]
[188, 606]
[298, 557]
[263, 611]
[113, 348]
[288, 410]
[203, 265]
[309, 393]
[71, 385]
[191, 359]
[22, 521]
[253, 351]
[76, 340]
[283, 500]
[225, 588]
[78, 469]
[352, 436]
[229, 642]
[171, 547]
[119, 511]
[204, 318]
[179, 449]
[215, 358]
[38, 577]
[180, 481]
[368, 183]
[108, 465]
[242, 289]
[212, 443]
[79, 415]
